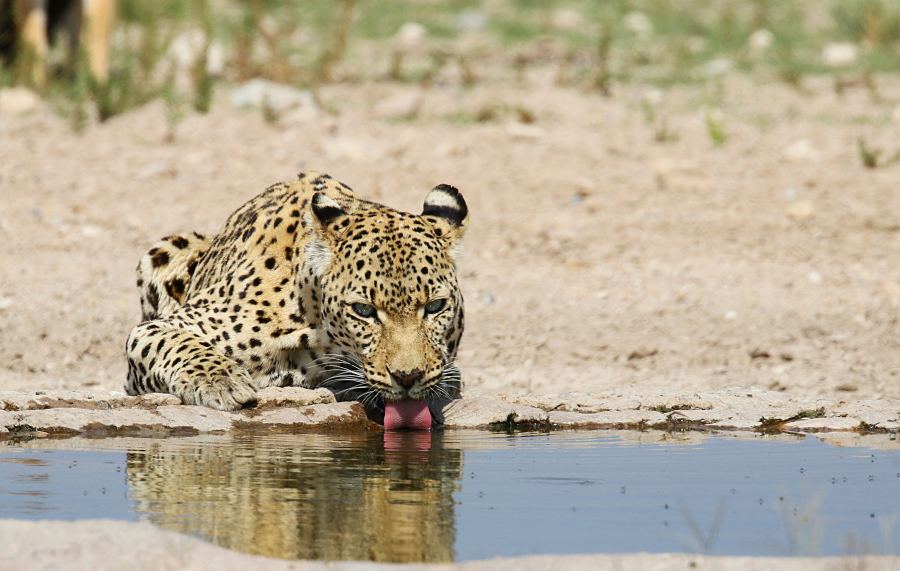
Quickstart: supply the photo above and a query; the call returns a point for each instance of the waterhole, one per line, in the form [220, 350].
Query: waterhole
[454, 496]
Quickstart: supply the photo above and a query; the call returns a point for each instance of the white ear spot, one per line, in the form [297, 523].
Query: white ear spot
[318, 257]
[326, 209]
[444, 201]
[439, 197]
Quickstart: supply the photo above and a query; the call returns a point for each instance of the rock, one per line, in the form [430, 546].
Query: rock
[523, 131]
[608, 419]
[801, 209]
[802, 151]
[760, 40]
[487, 298]
[293, 396]
[70, 421]
[91, 230]
[875, 413]
[574, 402]
[840, 54]
[276, 96]
[823, 424]
[18, 101]
[483, 412]
[410, 36]
[343, 414]
[152, 400]
[200, 418]
[90, 399]
[698, 416]
[402, 105]
[679, 174]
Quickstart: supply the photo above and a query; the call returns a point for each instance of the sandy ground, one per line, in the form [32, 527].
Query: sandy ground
[597, 257]
[107, 545]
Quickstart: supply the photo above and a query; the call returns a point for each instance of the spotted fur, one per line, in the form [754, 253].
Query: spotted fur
[275, 299]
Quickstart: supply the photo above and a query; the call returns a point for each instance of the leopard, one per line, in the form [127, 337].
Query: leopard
[308, 285]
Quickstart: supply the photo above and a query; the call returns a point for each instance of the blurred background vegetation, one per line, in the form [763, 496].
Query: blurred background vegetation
[182, 50]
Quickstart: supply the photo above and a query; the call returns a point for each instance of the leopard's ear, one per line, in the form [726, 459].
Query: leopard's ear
[328, 219]
[446, 209]
[329, 213]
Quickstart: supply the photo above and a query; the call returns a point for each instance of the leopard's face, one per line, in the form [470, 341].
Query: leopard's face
[390, 298]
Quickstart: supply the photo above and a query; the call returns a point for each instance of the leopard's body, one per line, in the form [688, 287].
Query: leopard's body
[305, 285]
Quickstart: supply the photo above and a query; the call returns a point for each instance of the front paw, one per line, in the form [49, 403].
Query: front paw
[225, 390]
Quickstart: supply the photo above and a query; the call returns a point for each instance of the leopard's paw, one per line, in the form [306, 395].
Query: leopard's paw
[228, 389]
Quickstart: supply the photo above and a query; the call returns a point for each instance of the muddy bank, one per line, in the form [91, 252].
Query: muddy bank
[64, 413]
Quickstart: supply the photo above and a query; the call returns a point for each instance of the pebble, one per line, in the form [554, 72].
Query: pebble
[802, 150]
[801, 209]
[411, 36]
[840, 54]
[761, 40]
[18, 101]
[525, 132]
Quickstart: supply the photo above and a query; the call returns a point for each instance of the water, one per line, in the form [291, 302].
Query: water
[459, 496]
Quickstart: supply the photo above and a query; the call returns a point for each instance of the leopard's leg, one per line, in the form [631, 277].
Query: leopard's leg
[165, 356]
[165, 271]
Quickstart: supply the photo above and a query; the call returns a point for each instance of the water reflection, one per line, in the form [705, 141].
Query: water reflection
[377, 497]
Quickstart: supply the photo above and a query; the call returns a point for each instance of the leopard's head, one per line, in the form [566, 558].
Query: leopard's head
[390, 299]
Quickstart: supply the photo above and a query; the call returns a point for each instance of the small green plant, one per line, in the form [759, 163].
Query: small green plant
[174, 109]
[715, 128]
[602, 80]
[335, 52]
[868, 155]
[658, 122]
[202, 80]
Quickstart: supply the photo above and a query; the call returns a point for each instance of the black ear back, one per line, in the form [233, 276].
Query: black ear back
[445, 201]
[326, 209]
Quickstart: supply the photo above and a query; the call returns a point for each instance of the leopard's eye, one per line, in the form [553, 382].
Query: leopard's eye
[363, 310]
[435, 306]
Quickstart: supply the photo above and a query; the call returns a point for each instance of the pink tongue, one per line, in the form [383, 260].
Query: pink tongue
[409, 413]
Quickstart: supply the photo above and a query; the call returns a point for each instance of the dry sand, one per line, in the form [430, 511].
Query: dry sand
[597, 259]
[107, 545]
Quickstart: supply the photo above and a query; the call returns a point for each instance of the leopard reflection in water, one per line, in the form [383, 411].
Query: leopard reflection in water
[377, 497]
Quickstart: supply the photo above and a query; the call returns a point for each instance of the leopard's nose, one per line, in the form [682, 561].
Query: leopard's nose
[407, 379]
